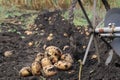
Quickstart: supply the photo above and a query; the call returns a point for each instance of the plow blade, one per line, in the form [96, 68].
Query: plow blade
[116, 45]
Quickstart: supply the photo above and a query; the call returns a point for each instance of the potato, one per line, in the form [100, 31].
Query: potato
[8, 53]
[39, 57]
[40, 54]
[67, 57]
[25, 71]
[45, 62]
[36, 68]
[63, 65]
[53, 51]
[54, 59]
[49, 70]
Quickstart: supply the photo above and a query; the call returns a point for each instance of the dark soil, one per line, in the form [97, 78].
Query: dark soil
[46, 23]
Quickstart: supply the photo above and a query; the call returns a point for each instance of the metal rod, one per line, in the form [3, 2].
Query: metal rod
[108, 30]
[106, 42]
[110, 35]
[96, 48]
[107, 6]
[84, 12]
[94, 26]
[94, 14]
[88, 47]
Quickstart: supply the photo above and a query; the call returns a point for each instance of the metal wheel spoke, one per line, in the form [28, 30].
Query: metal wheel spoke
[85, 14]
[94, 25]
[88, 47]
[96, 48]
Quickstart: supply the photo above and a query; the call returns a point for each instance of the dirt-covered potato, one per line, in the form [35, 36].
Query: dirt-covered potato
[45, 62]
[8, 53]
[49, 70]
[67, 57]
[53, 51]
[25, 71]
[63, 65]
[54, 59]
[36, 68]
[39, 57]
[40, 54]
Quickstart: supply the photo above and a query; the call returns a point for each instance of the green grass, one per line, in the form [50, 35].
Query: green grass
[79, 18]
[13, 11]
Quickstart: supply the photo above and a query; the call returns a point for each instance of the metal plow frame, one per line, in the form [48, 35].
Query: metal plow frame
[105, 32]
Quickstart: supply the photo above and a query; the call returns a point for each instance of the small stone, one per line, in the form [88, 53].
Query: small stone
[66, 47]
[84, 47]
[30, 43]
[65, 34]
[28, 32]
[94, 56]
[87, 33]
[49, 18]
[36, 29]
[70, 72]
[42, 30]
[51, 34]
[49, 38]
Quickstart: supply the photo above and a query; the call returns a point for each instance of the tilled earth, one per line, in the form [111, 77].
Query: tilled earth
[64, 34]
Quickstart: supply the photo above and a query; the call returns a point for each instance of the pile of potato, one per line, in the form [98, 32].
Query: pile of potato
[48, 63]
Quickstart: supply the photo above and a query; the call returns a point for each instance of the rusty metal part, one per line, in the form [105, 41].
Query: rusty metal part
[108, 30]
